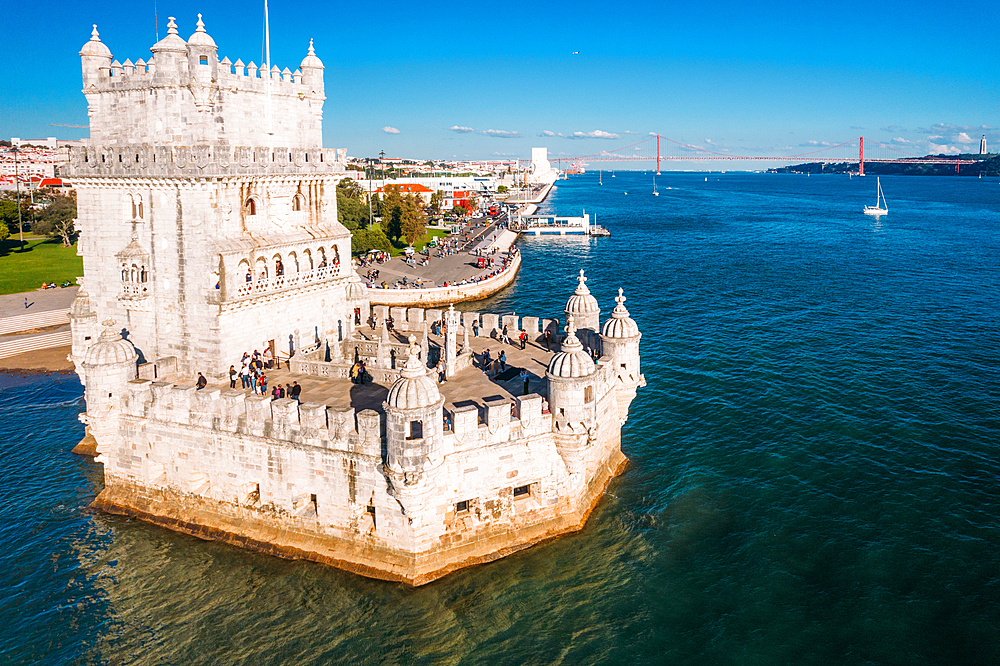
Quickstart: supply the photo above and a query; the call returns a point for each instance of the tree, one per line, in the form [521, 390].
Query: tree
[8, 215]
[57, 219]
[459, 211]
[436, 202]
[501, 189]
[370, 239]
[413, 219]
[392, 211]
[350, 189]
[4, 232]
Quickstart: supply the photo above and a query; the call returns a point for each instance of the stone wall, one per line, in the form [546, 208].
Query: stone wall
[446, 295]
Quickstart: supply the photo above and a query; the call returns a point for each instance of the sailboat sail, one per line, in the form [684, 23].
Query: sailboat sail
[880, 207]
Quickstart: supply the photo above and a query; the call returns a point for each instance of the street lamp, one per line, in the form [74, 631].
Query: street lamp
[17, 186]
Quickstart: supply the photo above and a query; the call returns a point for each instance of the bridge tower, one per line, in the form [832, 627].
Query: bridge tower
[861, 163]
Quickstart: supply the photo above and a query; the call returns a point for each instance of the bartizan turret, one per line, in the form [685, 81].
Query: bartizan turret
[413, 433]
[585, 311]
[84, 327]
[571, 399]
[95, 58]
[108, 366]
[620, 342]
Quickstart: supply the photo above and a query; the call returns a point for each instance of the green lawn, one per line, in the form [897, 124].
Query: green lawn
[421, 242]
[43, 260]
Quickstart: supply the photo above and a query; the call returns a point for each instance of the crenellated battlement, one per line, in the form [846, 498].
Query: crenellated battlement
[201, 161]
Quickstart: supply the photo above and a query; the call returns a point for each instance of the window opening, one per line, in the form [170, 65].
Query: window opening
[203, 60]
[462, 506]
[588, 394]
[416, 430]
[522, 491]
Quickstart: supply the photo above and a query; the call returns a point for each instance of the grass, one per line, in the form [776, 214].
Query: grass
[42, 260]
[421, 242]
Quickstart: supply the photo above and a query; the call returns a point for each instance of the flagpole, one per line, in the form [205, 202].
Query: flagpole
[267, 46]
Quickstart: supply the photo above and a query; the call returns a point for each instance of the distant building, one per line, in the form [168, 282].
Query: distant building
[982, 146]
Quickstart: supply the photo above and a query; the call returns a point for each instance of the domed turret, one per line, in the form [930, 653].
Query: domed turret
[173, 42]
[95, 58]
[583, 307]
[413, 424]
[621, 325]
[170, 54]
[620, 343]
[108, 366]
[415, 388]
[83, 328]
[200, 37]
[203, 55]
[571, 360]
[312, 71]
[110, 349]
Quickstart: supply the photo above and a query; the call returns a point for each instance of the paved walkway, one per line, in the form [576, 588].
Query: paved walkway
[454, 268]
[39, 300]
[472, 384]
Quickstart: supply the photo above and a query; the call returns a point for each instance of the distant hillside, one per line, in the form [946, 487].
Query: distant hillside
[988, 167]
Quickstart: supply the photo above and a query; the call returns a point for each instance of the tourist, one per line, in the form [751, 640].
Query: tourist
[503, 360]
[524, 378]
[244, 376]
[232, 377]
[202, 382]
[504, 338]
[523, 338]
[548, 340]
[389, 323]
[263, 384]
[295, 392]
[267, 357]
[440, 371]
[486, 359]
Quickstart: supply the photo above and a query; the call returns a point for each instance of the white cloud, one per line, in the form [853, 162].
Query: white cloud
[709, 141]
[900, 141]
[390, 130]
[596, 134]
[549, 133]
[943, 149]
[815, 144]
[963, 138]
[934, 137]
[501, 134]
[461, 130]
[652, 134]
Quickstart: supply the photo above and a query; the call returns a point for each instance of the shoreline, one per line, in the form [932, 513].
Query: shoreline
[51, 361]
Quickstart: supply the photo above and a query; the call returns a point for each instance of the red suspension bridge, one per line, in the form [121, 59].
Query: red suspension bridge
[649, 150]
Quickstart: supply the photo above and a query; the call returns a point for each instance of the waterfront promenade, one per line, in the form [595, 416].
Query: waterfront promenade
[452, 278]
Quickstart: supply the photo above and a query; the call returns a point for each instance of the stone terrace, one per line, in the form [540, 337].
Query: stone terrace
[471, 384]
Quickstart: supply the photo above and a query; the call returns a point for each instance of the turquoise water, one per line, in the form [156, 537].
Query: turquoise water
[814, 473]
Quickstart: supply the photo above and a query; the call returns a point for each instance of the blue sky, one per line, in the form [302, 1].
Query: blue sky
[488, 80]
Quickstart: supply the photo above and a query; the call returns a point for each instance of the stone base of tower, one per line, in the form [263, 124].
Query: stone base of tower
[249, 529]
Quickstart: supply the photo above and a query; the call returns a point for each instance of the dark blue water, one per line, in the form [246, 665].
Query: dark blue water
[814, 474]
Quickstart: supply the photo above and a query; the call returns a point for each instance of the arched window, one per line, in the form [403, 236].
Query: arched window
[138, 198]
[298, 202]
[203, 60]
[251, 206]
[135, 210]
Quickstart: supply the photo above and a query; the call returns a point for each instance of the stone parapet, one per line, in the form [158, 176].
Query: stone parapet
[201, 161]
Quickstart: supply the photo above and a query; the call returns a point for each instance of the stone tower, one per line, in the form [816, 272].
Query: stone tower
[207, 205]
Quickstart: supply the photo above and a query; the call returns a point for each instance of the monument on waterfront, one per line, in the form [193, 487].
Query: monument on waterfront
[208, 227]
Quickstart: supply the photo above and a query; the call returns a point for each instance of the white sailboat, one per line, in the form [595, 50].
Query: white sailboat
[655, 193]
[600, 176]
[880, 207]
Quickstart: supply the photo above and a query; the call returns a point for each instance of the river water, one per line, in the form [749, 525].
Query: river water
[814, 464]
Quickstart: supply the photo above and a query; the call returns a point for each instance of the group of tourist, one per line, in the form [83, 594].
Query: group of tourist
[374, 257]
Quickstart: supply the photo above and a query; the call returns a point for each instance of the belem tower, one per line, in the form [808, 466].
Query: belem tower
[199, 178]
